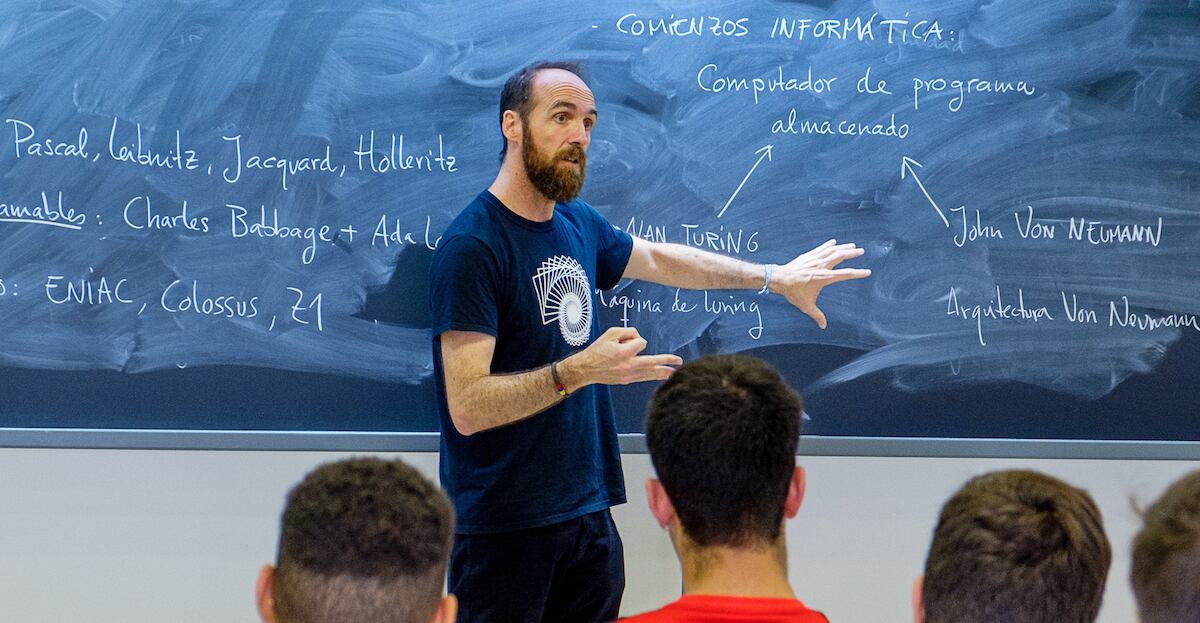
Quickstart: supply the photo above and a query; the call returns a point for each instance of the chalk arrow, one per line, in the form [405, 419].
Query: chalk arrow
[766, 153]
[906, 168]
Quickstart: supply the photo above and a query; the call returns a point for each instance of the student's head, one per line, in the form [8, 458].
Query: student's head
[549, 109]
[722, 434]
[1166, 556]
[1015, 547]
[364, 540]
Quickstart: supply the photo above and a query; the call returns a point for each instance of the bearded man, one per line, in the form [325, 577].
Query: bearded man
[529, 451]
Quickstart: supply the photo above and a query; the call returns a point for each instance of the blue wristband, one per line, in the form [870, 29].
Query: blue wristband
[770, 268]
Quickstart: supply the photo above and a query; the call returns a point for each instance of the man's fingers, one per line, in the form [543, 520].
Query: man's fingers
[662, 373]
[815, 313]
[843, 274]
[834, 248]
[635, 345]
[653, 368]
[662, 360]
[817, 250]
[655, 373]
[827, 252]
[621, 334]
[846, 250]
[835, 255]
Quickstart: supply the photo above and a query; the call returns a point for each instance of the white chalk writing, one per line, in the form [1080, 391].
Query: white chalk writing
[996, 309]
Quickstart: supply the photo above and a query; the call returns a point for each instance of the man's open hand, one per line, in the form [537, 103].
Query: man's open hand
[801, 280]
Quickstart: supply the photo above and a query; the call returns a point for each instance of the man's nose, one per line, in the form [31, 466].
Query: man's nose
[580, 136]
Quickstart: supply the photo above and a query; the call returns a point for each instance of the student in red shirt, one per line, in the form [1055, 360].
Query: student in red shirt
[722, 434]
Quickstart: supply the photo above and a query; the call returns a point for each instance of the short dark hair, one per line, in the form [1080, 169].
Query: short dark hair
[362, 539]
[1016, 546]
[722, 434]
[1166, 556]
[518, 91]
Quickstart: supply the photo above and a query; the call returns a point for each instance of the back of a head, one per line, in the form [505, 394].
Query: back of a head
[1166, 556]
[722, 434]
[362, 540]
[1016, 547]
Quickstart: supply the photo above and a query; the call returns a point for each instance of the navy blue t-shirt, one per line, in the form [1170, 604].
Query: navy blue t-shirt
[532, 286]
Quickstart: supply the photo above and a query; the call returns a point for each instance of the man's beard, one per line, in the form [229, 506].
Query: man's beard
[557, 183]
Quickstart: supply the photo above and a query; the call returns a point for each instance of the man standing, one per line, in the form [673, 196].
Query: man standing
[529, 448]
[722, 435]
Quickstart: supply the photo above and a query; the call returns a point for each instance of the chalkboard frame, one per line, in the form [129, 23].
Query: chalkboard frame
[668, 102]
[631, 443]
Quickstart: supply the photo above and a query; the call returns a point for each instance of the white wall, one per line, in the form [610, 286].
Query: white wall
[129, 536]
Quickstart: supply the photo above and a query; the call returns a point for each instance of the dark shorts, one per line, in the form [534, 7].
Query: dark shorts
[569, 572]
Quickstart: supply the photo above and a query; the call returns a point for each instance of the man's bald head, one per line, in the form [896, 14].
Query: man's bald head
[518, 93]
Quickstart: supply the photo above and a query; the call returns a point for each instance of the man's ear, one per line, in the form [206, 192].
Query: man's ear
[511, 126]
[795, 494]
[660, 505]
[264, 595]
[447, 610]
[918, 603]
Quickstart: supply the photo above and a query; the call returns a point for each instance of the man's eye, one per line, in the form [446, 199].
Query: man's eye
[560, 117]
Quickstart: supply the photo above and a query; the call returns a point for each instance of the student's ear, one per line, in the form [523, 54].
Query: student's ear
[795, 493]
[660, 505]
[446, 611]
[918, 604]
[264, 596]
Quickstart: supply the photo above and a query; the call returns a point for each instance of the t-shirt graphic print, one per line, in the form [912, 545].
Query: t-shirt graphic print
[564, 295]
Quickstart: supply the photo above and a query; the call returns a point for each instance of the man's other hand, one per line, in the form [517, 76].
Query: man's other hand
[615, 359]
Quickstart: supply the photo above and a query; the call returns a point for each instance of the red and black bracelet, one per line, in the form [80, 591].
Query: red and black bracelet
[558, 385]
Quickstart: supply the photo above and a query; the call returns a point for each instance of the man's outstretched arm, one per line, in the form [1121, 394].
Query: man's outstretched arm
[480, 400]
[800, 280]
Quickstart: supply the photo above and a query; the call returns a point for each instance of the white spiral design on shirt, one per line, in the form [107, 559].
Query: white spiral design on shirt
[565, 295]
